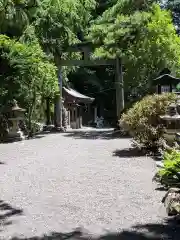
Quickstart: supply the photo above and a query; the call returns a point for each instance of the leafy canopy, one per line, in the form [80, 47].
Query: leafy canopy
[16, 15]
[26, 71]
[146, 40]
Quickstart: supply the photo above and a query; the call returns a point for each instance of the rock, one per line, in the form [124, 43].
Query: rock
[172, 201]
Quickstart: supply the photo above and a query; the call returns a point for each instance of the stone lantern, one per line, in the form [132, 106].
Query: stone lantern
[16, 115]
[165, 82]
[172, 120]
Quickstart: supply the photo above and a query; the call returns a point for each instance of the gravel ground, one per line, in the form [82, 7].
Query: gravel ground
[85, 180]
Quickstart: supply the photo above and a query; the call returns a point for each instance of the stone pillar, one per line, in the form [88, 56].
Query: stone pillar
[14, 132]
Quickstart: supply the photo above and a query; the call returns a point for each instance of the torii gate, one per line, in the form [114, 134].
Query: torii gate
[86, 49]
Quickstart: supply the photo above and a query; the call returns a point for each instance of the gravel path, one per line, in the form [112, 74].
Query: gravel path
[61, 182]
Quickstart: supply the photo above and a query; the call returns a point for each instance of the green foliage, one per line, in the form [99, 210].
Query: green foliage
[16, 15]
[38, 34]
[142, 121]
[59, 26]
[169, 175]
[26, 75]
[103, 5]
[61, 21]
[146, 40]
[136, 30]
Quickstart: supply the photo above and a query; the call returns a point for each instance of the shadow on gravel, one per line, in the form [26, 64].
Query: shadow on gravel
[94, 134]
[170, 230]
[38, 136]
[27, 138]
[161, 189]
[128, 152]
[7, 211]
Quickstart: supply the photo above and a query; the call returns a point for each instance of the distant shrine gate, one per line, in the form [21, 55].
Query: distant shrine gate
[73, 98]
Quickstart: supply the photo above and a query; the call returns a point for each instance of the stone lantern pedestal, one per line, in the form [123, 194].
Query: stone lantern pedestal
[16, 115]
[172, 120]
[14, 132]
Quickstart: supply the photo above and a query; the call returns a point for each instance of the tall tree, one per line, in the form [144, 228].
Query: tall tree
[146, 40]
[63, 23]
[26, 75]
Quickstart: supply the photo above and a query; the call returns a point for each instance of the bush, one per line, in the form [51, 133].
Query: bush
[143, 123]
[169, 177]
[169, 174]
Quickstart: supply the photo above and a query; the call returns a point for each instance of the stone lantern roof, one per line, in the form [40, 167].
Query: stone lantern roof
[13, 108]
[16, 108]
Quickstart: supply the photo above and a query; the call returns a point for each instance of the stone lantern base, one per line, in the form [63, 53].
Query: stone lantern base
[15, 136]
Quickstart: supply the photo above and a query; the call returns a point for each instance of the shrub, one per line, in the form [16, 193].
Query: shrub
[169, 177]
[169, 174]
[142, 121]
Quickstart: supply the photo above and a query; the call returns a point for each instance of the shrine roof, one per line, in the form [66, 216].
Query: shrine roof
[167, 79]
[77, 96]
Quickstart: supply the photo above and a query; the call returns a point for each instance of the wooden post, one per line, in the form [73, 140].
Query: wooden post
[171, 87]
[119, 85]
[69, 118]
[72, 117]
[60, 99]
[159, 89]
[58, 102]
[95, 113]
[73, 123]
[57, 112]
[76, 117]
[80, 117]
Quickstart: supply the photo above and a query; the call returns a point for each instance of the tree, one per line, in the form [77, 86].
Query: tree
[26, 75]
[102, 6]
[146, 40]
[39, 33]
[16, 15]
[61, 24]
